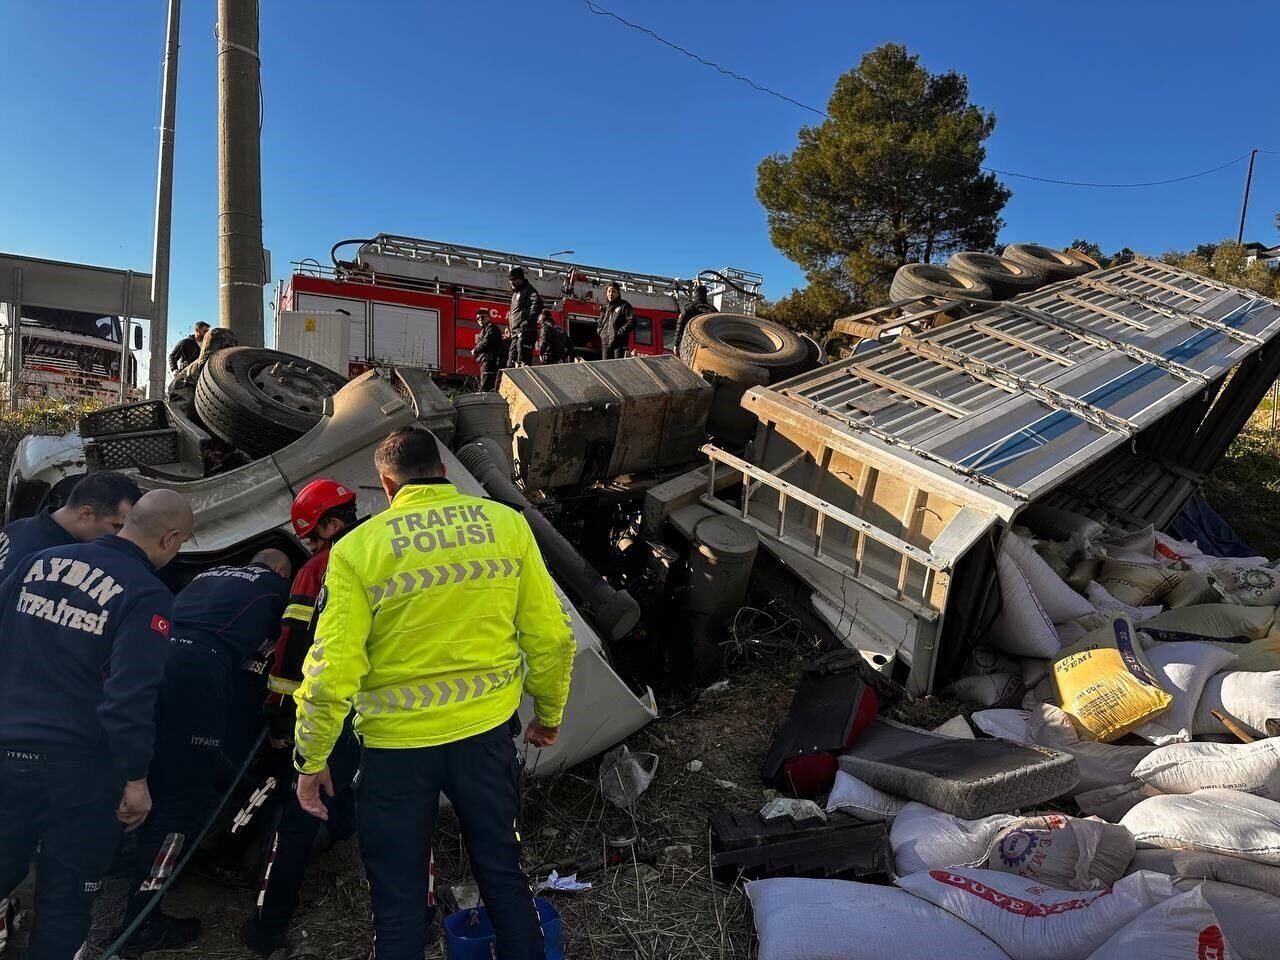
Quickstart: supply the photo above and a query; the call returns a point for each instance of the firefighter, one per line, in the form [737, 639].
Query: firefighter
[553, 343]
[695, 307]
[522, 318]
[84, 633]
[188, 348]
[615, 323]
[489, 351]
[207, 722]
[323, 512]
[97, 505]
[435, 667]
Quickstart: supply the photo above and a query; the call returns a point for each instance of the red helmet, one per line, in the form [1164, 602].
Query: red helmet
[315, 500]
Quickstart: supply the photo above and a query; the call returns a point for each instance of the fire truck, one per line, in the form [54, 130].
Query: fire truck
[412, 302]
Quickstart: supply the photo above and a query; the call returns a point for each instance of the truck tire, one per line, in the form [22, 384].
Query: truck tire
[915, 280]
[1052, 264]
[739, 341]
[260, 400]
[1006, 278]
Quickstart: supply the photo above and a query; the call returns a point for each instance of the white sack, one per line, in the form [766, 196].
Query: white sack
[1003, 724]
[801, 919]
[1183, 927]
[1055, 523]
[850, 795]
[1197, 865]
[1188, 767]
[1066, 853]
[1104, 603]
[1022, 628]
[1112, 803]
[923, 838]
[1250, 699]
[1216, 821]
[1250, 920]
[957, 728]
[1059, 601]
[1030, 921]
[1247, 585]
[987, 690]
[1100, 764]
[1182, 669]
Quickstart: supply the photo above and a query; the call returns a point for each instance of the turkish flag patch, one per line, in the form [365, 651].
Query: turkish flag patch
[160, 625]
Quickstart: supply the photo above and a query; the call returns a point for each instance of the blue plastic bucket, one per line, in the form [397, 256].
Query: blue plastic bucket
[469, 934]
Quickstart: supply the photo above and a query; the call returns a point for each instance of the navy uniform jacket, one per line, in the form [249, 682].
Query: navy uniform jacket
[29, 535]
[233, 610]
[84, 634]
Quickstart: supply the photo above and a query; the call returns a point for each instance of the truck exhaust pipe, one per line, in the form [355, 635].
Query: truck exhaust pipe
[614, 612]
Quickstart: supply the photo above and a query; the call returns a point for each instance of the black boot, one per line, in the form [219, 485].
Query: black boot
[263, 940]
[161, 932]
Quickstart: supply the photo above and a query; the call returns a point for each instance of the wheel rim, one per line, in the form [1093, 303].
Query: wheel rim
[749, 339]
[290, 385]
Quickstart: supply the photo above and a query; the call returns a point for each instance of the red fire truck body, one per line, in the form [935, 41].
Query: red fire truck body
[415, 302]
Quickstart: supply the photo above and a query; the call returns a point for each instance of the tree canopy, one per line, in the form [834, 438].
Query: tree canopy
[1228, 261]
[892, 177]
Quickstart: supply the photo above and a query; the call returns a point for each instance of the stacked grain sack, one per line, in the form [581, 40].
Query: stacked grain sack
[1127, 650]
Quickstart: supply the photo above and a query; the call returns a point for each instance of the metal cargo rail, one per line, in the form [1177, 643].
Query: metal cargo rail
[887, 479]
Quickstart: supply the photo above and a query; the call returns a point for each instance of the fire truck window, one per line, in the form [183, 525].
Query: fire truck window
[669, 333]
[644, 331]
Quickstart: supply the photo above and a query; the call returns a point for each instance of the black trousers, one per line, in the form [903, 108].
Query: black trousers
[298, 835]
[397, 804]
[66, 807]
[488, 379]
[616, 352]
[521, 349]
[202, 737]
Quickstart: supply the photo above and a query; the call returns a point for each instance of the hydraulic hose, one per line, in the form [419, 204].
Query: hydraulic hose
[614, 612]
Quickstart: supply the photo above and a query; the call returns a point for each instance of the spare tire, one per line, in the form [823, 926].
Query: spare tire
[260, 400]
[742, 341]
[1052, 264]
[1006, 278]
[930, 280]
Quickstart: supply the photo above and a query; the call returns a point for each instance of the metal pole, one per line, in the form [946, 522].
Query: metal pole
[156, 368]
[1275, 399]
[1248, 182]
[126, 324]
[15, 340]
[240, 259]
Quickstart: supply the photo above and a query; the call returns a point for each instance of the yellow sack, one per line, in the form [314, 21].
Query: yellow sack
[1105, 683]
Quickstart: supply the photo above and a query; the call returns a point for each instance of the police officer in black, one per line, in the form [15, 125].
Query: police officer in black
[615, 323]
[488, 351]
[553, 343]
[696, 307]
[96, 506]
[522, 318]
[224, 630]
[84, 633]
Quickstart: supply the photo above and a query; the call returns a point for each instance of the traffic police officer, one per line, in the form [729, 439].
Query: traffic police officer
[207, 721]
[97, 505]
[426, 615]
[84, 633]
[323, 512]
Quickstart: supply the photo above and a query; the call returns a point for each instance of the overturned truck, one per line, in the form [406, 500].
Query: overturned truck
[887, 480]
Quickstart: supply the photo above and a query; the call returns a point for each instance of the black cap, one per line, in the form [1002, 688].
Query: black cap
[516, 272]
[700, 288]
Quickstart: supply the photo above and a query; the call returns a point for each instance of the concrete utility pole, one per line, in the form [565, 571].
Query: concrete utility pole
[164, 213]
[241, 265]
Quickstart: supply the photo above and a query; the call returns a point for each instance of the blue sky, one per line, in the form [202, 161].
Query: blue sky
[536, 126]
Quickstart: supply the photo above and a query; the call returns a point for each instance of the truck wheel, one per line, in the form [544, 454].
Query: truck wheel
[1052, 264]
[915, 280]
[260, 400]
[1006, 278]
[740, 341]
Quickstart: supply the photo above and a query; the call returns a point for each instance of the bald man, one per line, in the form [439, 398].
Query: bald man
[224, 628]
[84, 634]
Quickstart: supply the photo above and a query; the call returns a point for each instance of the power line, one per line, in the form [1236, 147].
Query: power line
[600, 11]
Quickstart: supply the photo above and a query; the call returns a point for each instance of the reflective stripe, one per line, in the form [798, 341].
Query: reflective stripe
[442, 575]
[435, 693]
[281, 685]
[299, 611]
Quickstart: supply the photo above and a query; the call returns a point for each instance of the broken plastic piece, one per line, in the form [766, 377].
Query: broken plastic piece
[840, 847]
[567, 884]
[827, 714]
[795, 809]
[624, 776]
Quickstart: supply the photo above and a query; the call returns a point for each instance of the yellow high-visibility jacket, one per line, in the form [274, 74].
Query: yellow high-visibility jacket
[423, 617]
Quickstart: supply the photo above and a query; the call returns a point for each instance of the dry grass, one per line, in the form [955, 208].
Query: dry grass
[40, 418]
[1245, 485]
